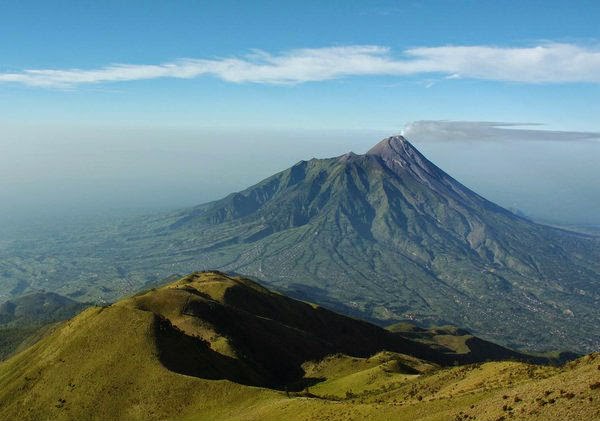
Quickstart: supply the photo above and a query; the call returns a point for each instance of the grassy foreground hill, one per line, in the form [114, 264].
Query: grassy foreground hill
[214, 347]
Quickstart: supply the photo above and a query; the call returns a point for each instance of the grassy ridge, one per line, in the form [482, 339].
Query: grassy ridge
[214, 347]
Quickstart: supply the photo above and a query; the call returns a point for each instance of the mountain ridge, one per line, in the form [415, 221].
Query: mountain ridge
[221, 347]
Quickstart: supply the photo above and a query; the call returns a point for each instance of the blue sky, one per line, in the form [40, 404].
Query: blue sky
[102, 73]
[91, 35]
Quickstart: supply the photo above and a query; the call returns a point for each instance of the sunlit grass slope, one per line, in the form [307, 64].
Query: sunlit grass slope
[214, 347]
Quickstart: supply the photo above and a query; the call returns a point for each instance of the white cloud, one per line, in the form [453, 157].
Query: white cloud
[475, 131]
[547, 63]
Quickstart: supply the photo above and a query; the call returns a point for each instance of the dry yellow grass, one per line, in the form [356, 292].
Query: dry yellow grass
[106, 364]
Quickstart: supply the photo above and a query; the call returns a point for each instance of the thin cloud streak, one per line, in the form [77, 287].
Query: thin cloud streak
[547, 63]
[486, 131]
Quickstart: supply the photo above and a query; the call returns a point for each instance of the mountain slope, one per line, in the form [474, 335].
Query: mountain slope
[24, 319]
[386, 235]
[210, 346]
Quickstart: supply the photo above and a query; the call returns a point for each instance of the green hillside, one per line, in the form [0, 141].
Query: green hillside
[24, 319]
[385, 236]
[214, 347]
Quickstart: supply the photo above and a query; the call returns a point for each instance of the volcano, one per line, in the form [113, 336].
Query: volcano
[387, 236]
[390, 236]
